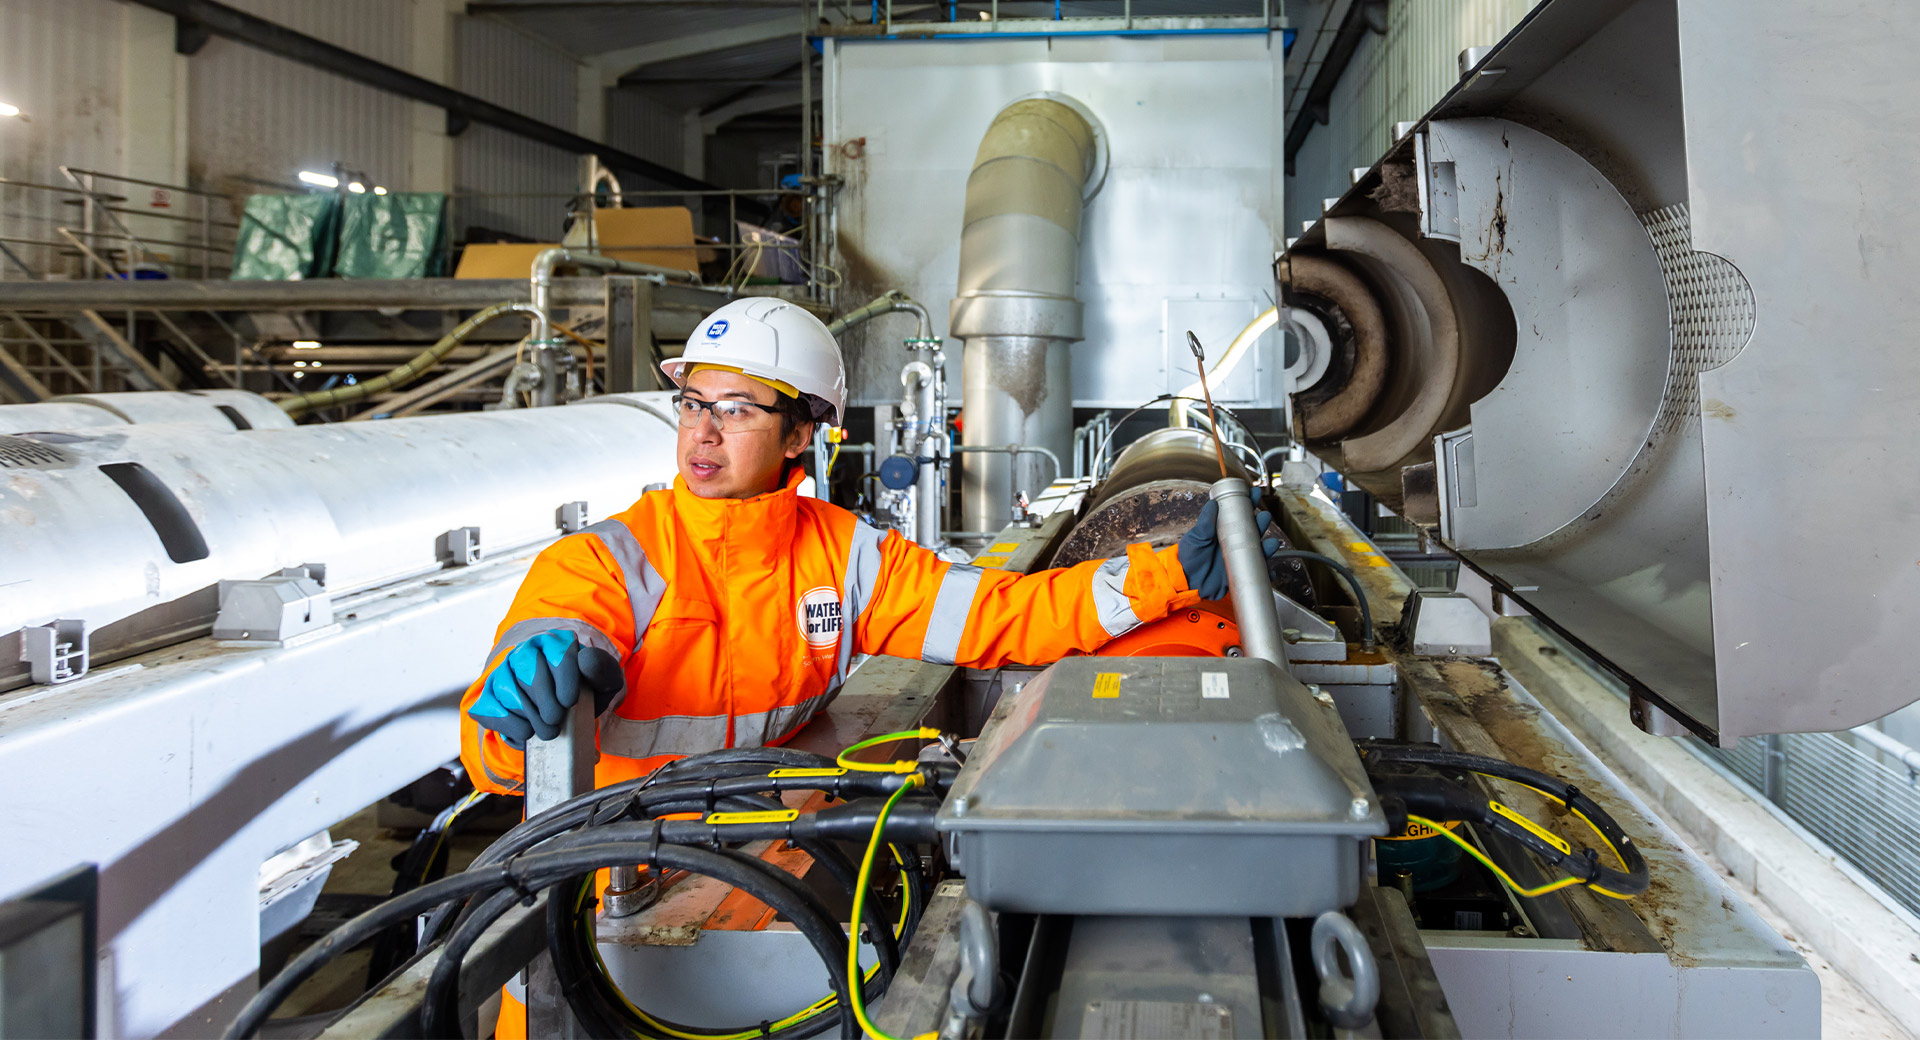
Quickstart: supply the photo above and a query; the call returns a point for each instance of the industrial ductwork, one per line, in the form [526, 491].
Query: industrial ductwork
[1016, 311]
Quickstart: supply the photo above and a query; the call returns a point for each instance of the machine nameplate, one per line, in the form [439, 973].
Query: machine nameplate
[1106, 685]
[1131, 1019]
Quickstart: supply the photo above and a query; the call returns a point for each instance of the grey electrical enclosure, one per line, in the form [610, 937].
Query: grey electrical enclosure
[1162, 786]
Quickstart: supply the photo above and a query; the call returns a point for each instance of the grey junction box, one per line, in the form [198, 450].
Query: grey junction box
[1162, 786]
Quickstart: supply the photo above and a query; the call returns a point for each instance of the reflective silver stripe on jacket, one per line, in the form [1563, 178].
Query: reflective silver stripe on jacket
[671, 735]
[952, 605]
[527, 629]
[765, 727]
[645, 586]
[862, 575]
[1110, 600]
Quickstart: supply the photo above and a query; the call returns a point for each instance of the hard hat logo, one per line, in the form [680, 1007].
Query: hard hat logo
[717, 330]
[818, 612]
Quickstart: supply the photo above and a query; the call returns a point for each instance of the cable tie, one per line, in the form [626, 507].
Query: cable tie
[527, 895]
[711, 781]
[766, 1028]
[653, 849]
[1571, 793]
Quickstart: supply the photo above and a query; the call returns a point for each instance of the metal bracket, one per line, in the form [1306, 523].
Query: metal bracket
[55, 652]
[273, 610]
[1438, 623]
[460, 547]
[1651, 719]
[571, 517]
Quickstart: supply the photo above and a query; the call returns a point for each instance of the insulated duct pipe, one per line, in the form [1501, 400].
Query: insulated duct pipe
[1016, 312]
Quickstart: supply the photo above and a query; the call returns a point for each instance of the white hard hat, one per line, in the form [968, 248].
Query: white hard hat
[762, 336]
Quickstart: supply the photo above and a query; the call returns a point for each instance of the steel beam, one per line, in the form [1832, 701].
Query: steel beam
[220, 20]
[18, 382]
[325, 294]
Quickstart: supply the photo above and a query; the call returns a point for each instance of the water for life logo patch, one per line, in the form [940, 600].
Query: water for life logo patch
[717, 329]
[818, 612]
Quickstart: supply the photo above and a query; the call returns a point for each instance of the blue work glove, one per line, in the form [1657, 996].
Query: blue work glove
[529, 692]
[1200, 556]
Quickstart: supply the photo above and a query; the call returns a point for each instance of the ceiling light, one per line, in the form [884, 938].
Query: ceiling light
[306, 344]
[319, 180]
[8, 111]
[299, 364]
[357, 188]
[377, 190]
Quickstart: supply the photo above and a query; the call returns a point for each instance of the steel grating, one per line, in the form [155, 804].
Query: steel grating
[1867, 811]
[1712, 313]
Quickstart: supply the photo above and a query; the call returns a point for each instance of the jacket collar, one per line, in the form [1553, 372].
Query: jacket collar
[769, 516]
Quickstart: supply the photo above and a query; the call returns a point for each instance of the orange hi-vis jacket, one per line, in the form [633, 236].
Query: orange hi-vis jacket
[737, 619]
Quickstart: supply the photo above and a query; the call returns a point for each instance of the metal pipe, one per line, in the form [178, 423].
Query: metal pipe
[1016, 308]
[892, 302]
[406, 373]
[545, 355]
[1247, 577]
[928, 429]
[1891, 746]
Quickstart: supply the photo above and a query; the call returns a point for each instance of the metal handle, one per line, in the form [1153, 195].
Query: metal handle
[560, 768]
[1247, 572]
[1348, 1002]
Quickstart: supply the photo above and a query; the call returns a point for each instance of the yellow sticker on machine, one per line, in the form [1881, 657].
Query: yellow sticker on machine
[1106, 685]
[989, 561]
[1419, 831]
[1538, 831]
[782, 774]
[1004, 547]
[1376, 561]
[1360, 547]
[768, 816]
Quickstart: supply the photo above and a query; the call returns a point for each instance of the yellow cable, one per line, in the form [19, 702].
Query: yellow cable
[908, 766]
[859, 904]
[1505, 878]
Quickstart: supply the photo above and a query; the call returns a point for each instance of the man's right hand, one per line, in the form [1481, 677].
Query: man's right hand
[530, 691]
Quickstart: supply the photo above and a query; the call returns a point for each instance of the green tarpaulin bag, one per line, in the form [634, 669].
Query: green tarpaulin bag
[286, 237]
[398, 235]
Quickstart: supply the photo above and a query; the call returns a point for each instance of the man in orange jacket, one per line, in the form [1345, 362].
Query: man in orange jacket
[726, 611]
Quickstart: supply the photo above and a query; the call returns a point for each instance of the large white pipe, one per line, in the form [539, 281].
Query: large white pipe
[1016, 310]
[130, 529]
[213, 409]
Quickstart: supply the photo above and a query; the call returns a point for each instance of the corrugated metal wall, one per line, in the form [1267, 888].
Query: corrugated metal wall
[256, 120]
[643, 126]
[60, 62]
[497, 62]
[1392, 79]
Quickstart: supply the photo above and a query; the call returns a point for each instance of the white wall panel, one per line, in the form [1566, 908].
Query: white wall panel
[499, 63]
[1184, 223]
[1391, 79]
[256, 120]
[60, 62]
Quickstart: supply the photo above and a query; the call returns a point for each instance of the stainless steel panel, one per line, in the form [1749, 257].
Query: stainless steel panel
[1189, 209]
[1590, 309]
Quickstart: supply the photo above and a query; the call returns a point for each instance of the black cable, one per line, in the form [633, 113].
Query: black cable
[1631, 881]
[440, 1005]
[522, 875]
[1353, 582]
